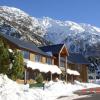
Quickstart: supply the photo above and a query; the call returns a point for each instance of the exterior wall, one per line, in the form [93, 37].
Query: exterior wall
[84, 73]
[53, 61]
[71, 66]
[82, 69]
[44, 60]
[56, 61]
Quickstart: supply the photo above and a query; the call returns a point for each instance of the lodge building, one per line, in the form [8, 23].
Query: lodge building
[52, 60]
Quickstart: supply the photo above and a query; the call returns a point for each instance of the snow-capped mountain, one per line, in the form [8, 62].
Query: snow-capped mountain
[78, 37]
[15, 22]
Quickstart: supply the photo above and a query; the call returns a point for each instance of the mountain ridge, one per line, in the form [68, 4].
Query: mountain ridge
[79, 37]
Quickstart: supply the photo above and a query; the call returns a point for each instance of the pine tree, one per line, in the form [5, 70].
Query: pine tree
[4, 56]
[17, 67]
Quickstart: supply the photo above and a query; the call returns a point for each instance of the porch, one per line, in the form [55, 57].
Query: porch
[32, 69]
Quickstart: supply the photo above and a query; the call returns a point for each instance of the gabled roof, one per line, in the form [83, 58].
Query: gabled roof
[77, 58]
[24, 44]
[55, 49]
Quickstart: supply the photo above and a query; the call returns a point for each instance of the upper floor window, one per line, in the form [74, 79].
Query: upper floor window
[26, 54]
[62, 64]
[38, 58]
[49, 61]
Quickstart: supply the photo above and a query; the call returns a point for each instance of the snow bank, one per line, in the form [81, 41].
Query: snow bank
[60, 88]
[87, 85]
[10, 90]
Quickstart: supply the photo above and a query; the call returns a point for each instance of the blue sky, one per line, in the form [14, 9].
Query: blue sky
[81, 11]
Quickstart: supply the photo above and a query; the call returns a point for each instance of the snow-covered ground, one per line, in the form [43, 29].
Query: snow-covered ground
[10, 90]
[60, 88]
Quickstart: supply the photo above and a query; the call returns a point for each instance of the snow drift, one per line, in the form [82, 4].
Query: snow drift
[10, 90]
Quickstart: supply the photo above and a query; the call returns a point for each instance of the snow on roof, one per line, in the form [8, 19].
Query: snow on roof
[72, 72]
[42, 67]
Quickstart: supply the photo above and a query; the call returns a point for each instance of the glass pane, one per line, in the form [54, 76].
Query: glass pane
[26, 54]
[37, 58]
[62, 64]
[49, 61]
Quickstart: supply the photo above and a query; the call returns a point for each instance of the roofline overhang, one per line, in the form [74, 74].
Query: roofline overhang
[22, 48]
[79, 63]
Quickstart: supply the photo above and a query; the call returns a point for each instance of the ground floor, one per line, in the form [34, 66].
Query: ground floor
[53, 72]
[32, 75]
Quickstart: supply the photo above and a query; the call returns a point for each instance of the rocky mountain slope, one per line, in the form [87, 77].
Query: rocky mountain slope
[78, 37]
[17, 23]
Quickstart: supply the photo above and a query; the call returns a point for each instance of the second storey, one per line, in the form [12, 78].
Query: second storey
[28, 49]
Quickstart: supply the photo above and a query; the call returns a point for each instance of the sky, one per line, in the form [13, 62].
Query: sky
[80, 11]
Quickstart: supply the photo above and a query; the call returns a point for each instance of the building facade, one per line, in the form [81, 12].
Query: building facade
[55, 55]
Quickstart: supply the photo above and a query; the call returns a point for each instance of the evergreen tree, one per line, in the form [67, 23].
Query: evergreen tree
[39, 78]
[4, 56]
[7, 58]
[17, 67]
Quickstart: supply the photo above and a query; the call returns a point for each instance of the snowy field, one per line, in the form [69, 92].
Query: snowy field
[10, 90]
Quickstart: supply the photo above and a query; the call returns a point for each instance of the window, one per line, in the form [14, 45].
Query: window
[49, 61]
[38, 58]
[62, 64]
[26, 54]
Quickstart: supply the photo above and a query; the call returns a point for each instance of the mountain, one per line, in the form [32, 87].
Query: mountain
[78, 37]
[17, 23]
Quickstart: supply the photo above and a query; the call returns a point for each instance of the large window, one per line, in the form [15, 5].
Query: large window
[26, 54]
[49, 61]
[38, 58]
[62, 64]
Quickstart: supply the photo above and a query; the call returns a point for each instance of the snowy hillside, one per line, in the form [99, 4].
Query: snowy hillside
[16, 15]
[78, 37]
[15, 22]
